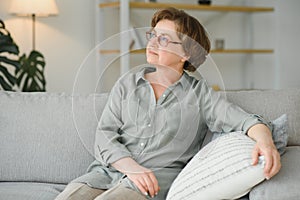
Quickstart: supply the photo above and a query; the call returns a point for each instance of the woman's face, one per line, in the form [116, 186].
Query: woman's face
[171, 55]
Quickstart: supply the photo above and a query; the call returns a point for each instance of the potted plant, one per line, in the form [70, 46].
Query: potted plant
[19, 72]
[9, 52]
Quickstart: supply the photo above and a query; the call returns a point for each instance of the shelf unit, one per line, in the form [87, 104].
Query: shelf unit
[153, 5]
[125, 6]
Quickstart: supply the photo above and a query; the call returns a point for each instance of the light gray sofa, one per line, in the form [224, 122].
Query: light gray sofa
[46, 140]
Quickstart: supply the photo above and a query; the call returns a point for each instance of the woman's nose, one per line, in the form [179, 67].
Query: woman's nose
[154, 42]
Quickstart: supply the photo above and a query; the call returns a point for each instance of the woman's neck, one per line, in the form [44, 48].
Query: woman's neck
[164, 76]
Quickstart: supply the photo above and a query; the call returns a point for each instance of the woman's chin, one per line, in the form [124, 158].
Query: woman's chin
[152, 62]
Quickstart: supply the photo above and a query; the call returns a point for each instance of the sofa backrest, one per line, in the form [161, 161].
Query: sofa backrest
[47, 137]
[50, 137]
[271, 104]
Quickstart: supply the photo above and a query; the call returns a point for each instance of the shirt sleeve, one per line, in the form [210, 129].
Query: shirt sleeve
[108, 146]
[223, 116]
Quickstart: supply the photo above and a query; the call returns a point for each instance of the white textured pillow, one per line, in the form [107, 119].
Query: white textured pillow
[221, 170]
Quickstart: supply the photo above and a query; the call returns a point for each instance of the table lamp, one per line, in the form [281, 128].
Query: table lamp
[33, 8]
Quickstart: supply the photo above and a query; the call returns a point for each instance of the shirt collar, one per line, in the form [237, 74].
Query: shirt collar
[185, 80]
[140, 76]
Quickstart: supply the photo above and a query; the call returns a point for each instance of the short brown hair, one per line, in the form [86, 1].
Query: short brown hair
[189, 30]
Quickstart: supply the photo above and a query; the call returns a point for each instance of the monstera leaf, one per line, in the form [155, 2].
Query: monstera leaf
[30, 76]
[9, 62]
[22, 73]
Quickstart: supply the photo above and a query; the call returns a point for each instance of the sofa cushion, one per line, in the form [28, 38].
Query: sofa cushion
[223, 163]
[32, 191]
[279, 133]
[285, 185]
[271, 104]
[47, 137]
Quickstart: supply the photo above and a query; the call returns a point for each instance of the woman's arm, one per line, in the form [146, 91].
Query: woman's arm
[110, 151]
[265, 146]
[108, 147]
[223, 116]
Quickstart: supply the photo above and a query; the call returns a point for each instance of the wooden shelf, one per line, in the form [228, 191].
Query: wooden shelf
[115, 51]
[109, 5]
[230, 51]
[242, 51]
[220, 8]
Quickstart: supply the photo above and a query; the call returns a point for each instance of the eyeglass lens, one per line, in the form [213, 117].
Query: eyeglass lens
[162, 40]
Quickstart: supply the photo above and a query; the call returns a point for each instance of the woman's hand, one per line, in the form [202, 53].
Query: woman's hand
[142, 177]
[265, 147]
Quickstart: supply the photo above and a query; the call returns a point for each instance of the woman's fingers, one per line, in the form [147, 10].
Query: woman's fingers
[276, 165]
[141, 186]
[155, 183]
[272, 159]
[150, 185]
[146, 183]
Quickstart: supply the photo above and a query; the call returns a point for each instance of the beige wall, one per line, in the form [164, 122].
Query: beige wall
[64, 40]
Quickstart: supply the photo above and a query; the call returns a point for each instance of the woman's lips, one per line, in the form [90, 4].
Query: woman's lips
[152, 52]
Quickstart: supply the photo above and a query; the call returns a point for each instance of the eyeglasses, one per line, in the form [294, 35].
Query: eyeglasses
[162, 40]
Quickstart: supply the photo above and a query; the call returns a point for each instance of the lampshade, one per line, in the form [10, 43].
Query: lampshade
[41, 8]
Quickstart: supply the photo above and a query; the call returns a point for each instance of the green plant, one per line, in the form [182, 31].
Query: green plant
[30, 76]
[28, 73]
[8, 51]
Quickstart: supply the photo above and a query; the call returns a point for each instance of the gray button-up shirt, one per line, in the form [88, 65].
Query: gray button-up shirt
[162, 135]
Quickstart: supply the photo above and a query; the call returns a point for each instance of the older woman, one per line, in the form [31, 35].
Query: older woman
[156, 119]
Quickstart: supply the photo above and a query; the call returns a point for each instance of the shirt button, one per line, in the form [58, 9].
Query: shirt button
[164, 95]
[142, 144]
[149, 125]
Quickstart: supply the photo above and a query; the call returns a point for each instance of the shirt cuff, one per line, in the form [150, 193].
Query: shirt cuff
[109, 157]
[253, 120]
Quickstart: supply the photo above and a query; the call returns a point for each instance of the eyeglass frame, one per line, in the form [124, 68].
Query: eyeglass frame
[159, 38]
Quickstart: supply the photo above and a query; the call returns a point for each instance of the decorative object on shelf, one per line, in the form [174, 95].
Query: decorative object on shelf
[204, 2]
[219, 44]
